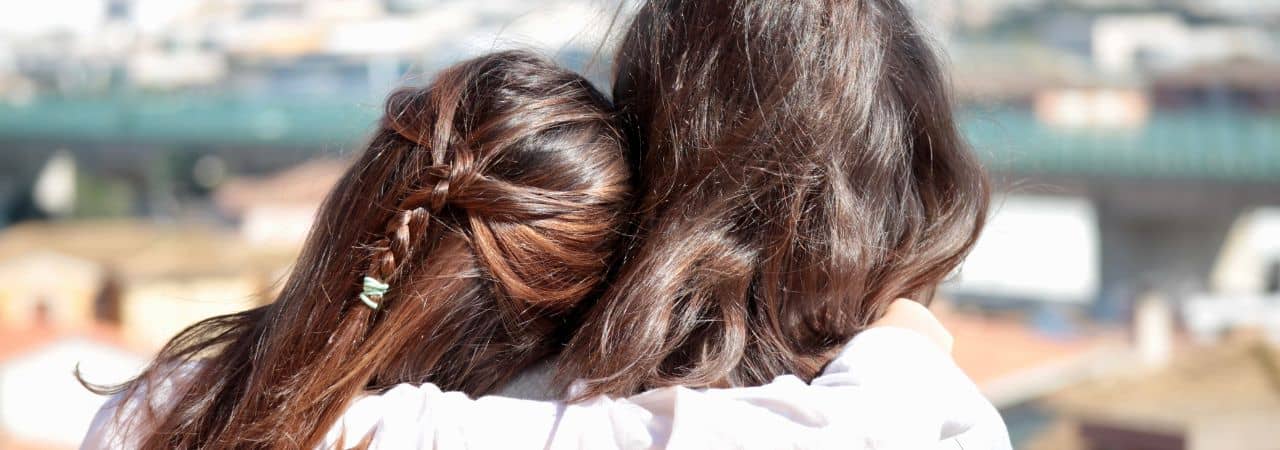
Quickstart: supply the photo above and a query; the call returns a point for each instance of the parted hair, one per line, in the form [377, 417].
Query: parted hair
[489, 203]
[799, 168]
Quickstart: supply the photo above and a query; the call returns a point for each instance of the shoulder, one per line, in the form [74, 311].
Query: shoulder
[127, 415]
[423, 416]
[988, 432]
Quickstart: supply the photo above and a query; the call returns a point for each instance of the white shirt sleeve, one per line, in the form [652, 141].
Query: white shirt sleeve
[123, 421]
[888, 389]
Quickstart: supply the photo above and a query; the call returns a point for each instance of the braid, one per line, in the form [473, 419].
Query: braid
[407, 228]
[486, 206]
[403, 233]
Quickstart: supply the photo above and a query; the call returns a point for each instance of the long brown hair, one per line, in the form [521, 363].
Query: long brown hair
[490, 202]
[799, 168]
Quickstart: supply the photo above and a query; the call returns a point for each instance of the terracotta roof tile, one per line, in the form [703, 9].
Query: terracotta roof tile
[15, 342]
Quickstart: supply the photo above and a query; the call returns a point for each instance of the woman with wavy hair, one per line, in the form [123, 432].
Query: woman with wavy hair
[799, 168]
[796, 176]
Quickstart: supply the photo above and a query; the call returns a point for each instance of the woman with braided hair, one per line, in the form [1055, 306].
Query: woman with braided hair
[485, 208]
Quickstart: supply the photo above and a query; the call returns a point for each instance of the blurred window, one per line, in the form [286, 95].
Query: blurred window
[106, 307]
[118, 9]
[1272, 283]
[40, 316]
[272, 10]
[1103, 436]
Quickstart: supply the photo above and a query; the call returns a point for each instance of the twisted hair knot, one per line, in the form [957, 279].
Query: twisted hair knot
[450, 180]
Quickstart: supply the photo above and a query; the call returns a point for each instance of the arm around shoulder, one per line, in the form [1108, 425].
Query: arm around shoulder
[889, 388]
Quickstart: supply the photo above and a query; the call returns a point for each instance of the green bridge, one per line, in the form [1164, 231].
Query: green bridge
[1191, 144]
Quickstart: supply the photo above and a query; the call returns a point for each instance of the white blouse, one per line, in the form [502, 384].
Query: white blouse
[889, 388]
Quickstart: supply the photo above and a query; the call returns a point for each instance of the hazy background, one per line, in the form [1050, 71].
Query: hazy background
[160, 161]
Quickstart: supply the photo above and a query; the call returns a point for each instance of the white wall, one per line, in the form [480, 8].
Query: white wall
[1035, 247]
[40, 399]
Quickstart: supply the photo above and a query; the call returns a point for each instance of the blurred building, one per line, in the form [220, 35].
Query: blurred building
[1124, 44]
[1220, 397]
[1013, 261]
[37, 367]
[278, 210]
[46, 288]
[1250, 259]
[1097, 108]
[1160, 189]
[1013, 362]
[1247, 85]
[360, 47]
[1245, 283]
[149, 280]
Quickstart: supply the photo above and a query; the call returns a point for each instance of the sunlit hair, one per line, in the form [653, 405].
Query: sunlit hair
[799, 168]
[489, 203]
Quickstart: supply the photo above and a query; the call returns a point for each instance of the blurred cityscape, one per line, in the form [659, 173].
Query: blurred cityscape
[162, 161]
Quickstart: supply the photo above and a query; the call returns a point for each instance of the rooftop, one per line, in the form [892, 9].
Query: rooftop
[305, 184]
[143, 249]
[1025, 363]
[1236, 379]
[17, 342]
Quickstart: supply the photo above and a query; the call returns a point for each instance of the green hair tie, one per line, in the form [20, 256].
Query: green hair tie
[373, 288]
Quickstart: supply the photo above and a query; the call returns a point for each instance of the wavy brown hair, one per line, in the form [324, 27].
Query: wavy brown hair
[799, 168]
[489, 201]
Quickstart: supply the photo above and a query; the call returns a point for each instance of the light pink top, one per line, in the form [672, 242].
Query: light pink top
[889, 388]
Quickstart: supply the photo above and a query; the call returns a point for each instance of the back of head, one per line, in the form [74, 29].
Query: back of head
[799, 169]
[486, 206]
